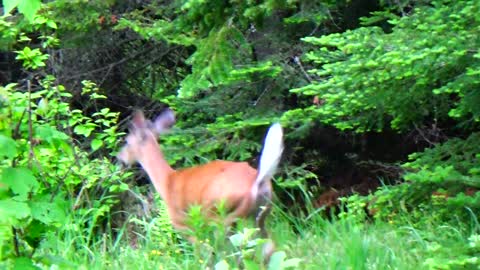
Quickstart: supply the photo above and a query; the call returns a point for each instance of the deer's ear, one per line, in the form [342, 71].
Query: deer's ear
[164, 121]
[138, 120]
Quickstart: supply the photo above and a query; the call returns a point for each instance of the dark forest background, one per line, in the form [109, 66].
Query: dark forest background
[380, 102]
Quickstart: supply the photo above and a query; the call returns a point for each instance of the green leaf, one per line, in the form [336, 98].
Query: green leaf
[9, 5]
[292, 263]
[251, 265]
[10, 208]
[36, 230]
[40, 20]
[5, 230]
[123, 187]
[8, 147]
[222, 265]
[84, 130]
[20, 180]
[96, 143]
[236, 239]
[50, 134]
[47, 212]
[24, 263]
[29, 8]
[276, 260]
[52, 24]
[59, 261]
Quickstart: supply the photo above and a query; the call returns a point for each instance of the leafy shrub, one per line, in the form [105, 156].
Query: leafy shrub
[425, 68]
[47, 173]
[442, 181]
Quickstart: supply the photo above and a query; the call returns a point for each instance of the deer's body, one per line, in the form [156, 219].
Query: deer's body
[240, 187]
[207, 185]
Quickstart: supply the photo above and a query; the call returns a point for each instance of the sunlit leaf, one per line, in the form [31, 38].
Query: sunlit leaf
[8, 147]
[29, 8]
[96, 144]
[222, 265]
[20, 180]
[9, 5]
[10, 208]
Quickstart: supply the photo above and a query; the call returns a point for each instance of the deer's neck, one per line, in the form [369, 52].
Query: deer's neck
[157, 168]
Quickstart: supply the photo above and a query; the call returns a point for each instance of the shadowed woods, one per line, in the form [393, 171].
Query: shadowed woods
[378, 107]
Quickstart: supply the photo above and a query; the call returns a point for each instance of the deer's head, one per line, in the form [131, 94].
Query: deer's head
[143, 135]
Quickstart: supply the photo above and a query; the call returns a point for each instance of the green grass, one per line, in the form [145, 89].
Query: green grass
[318, 243]
[344, 245]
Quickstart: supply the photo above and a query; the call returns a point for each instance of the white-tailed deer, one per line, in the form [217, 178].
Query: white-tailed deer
[241, 188]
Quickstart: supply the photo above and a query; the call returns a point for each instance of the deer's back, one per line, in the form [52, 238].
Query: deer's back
[211, 183]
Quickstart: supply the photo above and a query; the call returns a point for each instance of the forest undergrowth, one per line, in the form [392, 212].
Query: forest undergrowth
[310, 242]
[378, 101]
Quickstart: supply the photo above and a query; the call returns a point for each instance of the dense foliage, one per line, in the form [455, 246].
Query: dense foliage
[420, 75]
[368, 91]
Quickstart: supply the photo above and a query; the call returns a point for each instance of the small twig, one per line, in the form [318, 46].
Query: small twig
[144, 202]
[30, 128]
[262, 94]
[314, 30]
[331, 18]
[31, 153]
[70, 134]
[112, 65]
[14, 164]
[77, 200]
[422, 134]
[380, 167]
[297, 61]
[15, 242]
[16, 131]
[152, 61]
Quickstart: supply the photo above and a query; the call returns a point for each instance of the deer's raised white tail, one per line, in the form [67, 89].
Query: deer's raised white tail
[271, 154]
